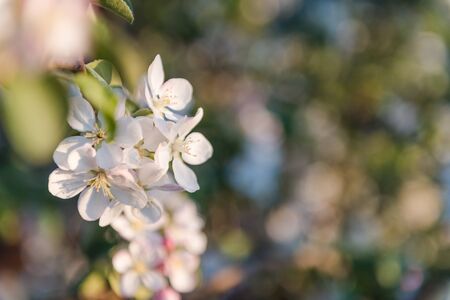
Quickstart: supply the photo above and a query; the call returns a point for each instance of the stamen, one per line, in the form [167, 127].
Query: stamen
[162, 102]
[100, 182]
[96, 136]
[140, 267]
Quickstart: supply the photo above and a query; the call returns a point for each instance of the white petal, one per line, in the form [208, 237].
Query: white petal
[155, 75]
[129, 283]
[111, 212]
[128, 133]
[167, 128]
[65, 147]
[168, 199]
[163, 155]
[132, 158]
[82, 159]
[184, 176]
[196, 243]
[158, 112]
[149, 214]
[199, 149]
[152, 136]
[124, 228]
[140, 92]
[150, 173]
[67, 184]
[154, 281]
[170, 187]
[125, 189]
[172, 116]
[183, 261]
[182, 281]
[109, 156]
[178, 91]
[185, 125]
[92, 204]
[129, 196]
[148, 248]
[122, 95]
[122, 261]
[81, 115]
[167, 294]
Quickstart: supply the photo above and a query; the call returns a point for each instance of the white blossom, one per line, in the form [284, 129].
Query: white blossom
[126, 181]
[181, 237]
[183, 146]
[166, 98]
[104, 186]
[138, 265]
[54, 31]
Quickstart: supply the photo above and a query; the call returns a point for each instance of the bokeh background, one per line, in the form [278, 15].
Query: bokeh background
[330, 179]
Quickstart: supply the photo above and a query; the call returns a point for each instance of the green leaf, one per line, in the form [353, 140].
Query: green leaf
[122, 8]
[34, 115]
[142, 112]
[101, 69]
[101, 97]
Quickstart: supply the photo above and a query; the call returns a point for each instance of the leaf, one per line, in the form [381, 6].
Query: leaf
[101, 97]
[142, 112]
[34, 115]
[122, 8]
[101, 69]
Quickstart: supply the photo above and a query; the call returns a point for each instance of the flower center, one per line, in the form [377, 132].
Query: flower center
[96, 136]
[142, 151]
[140, 267]
[100, 182]
[161, 102]
[183, 146]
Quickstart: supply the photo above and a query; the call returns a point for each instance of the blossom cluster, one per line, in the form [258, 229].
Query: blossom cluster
[133, 180]
[164, 261]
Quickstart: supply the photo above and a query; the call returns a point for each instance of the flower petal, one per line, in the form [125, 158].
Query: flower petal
[149, 214]
[163, 155]
[167, 128]
[67, 184]
[155, 75]
[178, 91]
[124, 228]
[125, 189]
[122, 95]
[182, 281]
[154, 281]
[65, 147]
[199, 149]
[82, 159]
[111, 212]
[129, 196]
[109, 156]
[184, 176]
[140, 92]
[158, 112]
[128, 133]
[185, 125]
[196, 243]
[152, 136]
[122, 261]
[81, 115]
[92, 204]
[132, 158]
[129, 283]
[152, 171]
[167, 294]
